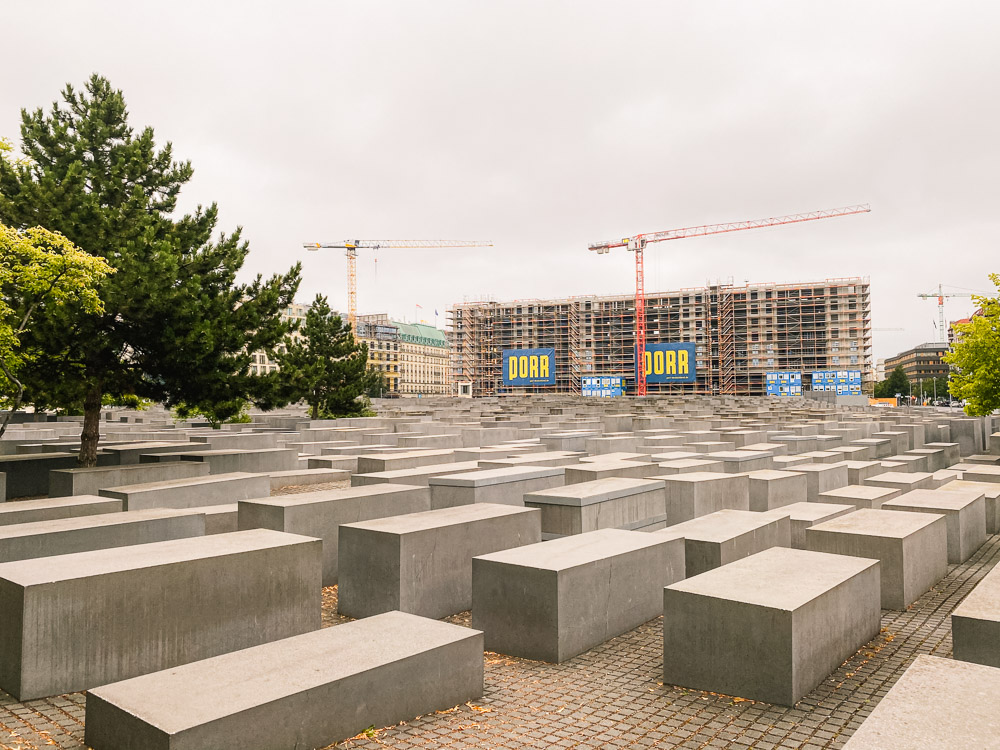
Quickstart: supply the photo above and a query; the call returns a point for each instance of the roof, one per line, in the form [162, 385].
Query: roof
[421, 333]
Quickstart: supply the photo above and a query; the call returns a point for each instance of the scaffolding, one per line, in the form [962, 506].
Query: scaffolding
[740, 333]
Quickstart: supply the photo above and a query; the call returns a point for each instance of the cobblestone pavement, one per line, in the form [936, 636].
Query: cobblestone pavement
[612, 696]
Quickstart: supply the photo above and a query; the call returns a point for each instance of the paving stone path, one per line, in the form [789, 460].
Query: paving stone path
[613, 696]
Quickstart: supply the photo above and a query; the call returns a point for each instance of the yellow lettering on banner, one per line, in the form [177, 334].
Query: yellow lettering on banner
[658, 362]
[522, 363]
[671, 362]
[533, 366]
[647, 362]
[543, 370]
[683, 367]
[512, 368]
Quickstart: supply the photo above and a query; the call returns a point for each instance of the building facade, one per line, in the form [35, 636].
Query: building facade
[740, 333]
[922, 362]
[382, 337]
[260, 363]
[424, 362]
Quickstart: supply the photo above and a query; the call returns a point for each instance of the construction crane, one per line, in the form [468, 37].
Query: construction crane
[637, 244]
[351, 247]
[941, 294]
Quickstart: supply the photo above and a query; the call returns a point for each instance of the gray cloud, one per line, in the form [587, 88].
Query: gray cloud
[546, 125]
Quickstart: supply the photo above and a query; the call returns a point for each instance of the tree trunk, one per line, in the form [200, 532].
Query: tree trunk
[314, 411]
[91, 426]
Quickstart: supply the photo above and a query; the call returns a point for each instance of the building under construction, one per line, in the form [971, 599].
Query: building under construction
[740, 333]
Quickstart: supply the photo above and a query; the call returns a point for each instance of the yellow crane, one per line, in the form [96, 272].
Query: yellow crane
[351, 247]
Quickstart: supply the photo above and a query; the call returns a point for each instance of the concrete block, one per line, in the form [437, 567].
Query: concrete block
[547, 458]
[28, 475]
[952, 452]
[616, 503]
[151, 607]
[982, 474]
[225, 461]
[726, 536]
[771, 626]
[80, 481]
[937, 703]
[555, 600]
[320, 514]
[859, 471]
[913, 548]
[218, 440]
[710, 446]
[824, 457]
[910, 462]
[991, 492]
[686, 466]
[787, 463]
[589, 471]
[700, 493]
[859, 496]
[803, 515]
[905, 481]
[64, 536]
[49, 509]
[822, 477]
[305, 477]
[216, 489]
[964, 510]
[738, 462]
[771, 489]
[883, 447]
[422, 562]
[983, 460]
[333, 463]
[975, 623]
[937, 459]
[418, 476]
[506, 486]
[128, 454]
[376, 671]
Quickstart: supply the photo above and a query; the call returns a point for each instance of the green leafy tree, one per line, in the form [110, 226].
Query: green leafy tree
[39, 271]
[897, 382]
[325, 366]
[975, 357]
[176, 327]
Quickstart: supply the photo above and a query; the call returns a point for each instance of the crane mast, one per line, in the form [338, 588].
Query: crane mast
[351, 247]
[941, 294]
[637, 244]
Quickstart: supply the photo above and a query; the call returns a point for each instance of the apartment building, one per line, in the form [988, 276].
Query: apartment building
[740, 333]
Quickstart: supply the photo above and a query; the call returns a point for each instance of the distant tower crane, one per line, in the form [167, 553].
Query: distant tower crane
[638, 243]
[941, 294]
[351, 247]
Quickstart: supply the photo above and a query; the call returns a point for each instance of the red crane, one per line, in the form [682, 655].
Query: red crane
[637, 244]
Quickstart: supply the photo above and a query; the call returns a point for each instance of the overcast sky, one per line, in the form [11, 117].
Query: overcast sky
[544, 126]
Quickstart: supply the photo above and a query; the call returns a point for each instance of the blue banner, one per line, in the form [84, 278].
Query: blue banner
[529, 367]
[783, 383]
[670, 363]
[602, 386]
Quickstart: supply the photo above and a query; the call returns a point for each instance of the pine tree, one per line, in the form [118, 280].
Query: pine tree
[176, 327]
[325, 366]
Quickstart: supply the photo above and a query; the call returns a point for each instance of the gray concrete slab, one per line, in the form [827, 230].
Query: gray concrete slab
[822, 477]
[860, 496]
[726, 536]
[320, 514]
[771, 488]
[422, 562]
[89, 481]
[964, 509]
[990, 490]
[506, 486]
[700, 493]
[975, 623]
[804, 515]
[771, 626]
[49, 509]
[151, 607]
[937, 703]
[913, 548]
[554, 600]
[376, 672]
[590, 470]
[904, 481]
[615, 502]
[215, 489]
[64, 536]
